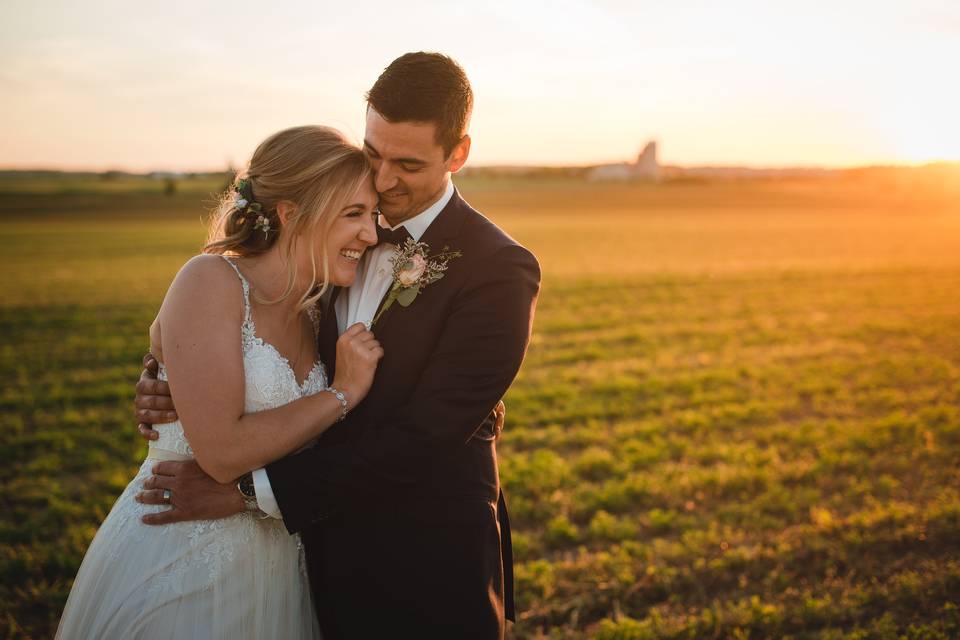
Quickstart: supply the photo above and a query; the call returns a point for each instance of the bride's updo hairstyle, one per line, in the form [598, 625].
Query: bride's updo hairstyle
[312, 167]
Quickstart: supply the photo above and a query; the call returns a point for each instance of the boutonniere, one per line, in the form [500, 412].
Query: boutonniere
[413, 270]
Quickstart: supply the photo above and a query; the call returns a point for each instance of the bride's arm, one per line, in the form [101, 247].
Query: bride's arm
[201, 341]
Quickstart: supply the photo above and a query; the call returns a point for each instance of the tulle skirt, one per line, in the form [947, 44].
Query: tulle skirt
[239, 577]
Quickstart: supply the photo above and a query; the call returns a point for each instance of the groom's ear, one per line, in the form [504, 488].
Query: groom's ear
[458, 157]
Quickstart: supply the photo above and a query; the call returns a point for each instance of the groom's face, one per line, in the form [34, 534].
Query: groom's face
[410, 165]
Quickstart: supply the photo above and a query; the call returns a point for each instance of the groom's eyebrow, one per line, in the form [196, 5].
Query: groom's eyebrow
[419, 161]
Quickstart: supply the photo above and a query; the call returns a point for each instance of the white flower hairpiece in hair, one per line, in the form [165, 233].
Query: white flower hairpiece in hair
[262, 224]
[245, 204]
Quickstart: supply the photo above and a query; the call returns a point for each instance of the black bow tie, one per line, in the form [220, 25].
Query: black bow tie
[396, 236]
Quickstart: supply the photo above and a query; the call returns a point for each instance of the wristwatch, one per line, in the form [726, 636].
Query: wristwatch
[248, 491]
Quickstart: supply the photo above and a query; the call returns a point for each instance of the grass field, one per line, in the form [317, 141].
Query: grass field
[739, 416]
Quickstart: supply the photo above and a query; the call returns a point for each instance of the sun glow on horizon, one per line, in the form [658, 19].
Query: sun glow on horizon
[568, 83]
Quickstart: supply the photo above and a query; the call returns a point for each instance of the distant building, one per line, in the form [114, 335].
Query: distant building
[647, 168]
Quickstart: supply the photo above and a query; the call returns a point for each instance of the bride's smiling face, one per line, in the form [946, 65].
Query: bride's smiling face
[352, 232]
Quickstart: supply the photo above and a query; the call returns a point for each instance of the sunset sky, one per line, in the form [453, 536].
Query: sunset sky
[195, 85]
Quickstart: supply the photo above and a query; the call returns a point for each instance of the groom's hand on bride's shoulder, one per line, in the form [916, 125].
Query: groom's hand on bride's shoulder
[153, 402]
[191, 494]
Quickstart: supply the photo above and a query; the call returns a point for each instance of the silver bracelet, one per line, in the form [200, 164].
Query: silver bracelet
[343, 401]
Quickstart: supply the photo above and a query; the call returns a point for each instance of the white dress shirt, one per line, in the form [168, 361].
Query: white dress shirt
[358, 303]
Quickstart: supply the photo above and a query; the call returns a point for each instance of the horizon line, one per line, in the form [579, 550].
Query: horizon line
[505, 166]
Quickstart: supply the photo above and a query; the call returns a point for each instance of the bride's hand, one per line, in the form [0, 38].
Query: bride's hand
[358, 353]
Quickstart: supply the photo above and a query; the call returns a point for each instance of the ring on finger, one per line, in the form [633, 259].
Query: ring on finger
[167, 495]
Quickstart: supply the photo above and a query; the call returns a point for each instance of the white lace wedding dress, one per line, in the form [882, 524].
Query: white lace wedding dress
[238, 577]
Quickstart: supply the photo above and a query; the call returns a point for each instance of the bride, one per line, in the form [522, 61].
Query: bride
[235, 337]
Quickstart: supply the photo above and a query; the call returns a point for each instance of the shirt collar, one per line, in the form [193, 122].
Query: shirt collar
[417, 225]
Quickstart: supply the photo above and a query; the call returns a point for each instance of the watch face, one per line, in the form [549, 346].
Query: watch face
[246, 486]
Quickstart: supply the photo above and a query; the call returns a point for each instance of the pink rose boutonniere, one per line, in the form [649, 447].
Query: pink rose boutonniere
[413, 270]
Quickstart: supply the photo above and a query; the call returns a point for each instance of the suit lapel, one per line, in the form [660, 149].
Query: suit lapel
[328, 334]
[447, 225]
[380, 306]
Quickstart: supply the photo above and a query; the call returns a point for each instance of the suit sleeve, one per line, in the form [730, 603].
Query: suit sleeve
[473, 363]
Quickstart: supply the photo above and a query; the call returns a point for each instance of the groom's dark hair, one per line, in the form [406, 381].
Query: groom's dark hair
[425, 87]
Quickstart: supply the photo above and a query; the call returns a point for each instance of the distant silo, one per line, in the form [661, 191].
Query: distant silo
[646, 168]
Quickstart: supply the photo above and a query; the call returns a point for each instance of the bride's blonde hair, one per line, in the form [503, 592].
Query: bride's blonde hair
[313, 167]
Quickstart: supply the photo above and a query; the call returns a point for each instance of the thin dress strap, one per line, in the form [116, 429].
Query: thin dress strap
[247, 317]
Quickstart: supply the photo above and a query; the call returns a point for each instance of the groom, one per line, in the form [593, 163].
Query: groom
[399, 506]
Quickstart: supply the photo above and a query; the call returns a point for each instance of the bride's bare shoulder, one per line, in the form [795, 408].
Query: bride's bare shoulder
[206, 281]
[207, 265]
[204, 294]
[210, 271]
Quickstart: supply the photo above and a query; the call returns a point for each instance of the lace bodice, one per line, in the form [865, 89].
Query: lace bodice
[269, 379]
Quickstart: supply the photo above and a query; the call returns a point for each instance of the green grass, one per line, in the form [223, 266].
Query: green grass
[739, 416]
[70, 184]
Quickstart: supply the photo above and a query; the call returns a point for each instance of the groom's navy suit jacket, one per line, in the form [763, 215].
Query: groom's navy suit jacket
[398, 504]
